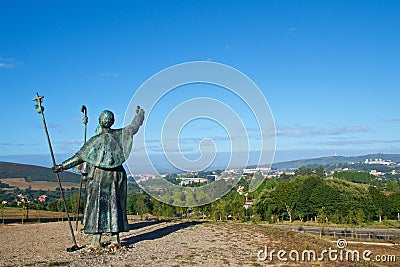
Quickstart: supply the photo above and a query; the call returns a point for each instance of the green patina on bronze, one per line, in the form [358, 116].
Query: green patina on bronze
[105, 210]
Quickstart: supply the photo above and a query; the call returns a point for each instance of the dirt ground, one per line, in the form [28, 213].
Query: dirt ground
[169, 244]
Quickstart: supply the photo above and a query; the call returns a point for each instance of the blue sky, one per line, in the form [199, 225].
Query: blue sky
[328, 69]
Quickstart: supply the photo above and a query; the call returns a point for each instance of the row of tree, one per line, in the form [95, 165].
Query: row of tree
[326, 200]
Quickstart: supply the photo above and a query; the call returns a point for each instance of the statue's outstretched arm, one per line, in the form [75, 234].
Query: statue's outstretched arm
[68, 164]
[133, 128]
[71, 162]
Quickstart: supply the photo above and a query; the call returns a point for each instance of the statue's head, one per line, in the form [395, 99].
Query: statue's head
[106, 119]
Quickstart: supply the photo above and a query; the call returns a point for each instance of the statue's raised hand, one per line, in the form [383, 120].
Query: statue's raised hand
[139, 111]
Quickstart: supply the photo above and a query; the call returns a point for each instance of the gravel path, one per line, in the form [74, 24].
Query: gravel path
[148, 243]
[151, 244]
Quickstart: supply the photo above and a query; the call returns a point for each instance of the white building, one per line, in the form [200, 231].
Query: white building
[378, 161]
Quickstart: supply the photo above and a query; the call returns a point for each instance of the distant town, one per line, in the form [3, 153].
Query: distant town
[200, 178]
[190, 178]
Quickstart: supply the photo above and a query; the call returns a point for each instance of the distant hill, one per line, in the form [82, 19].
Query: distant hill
[34, 173]
[315, 162]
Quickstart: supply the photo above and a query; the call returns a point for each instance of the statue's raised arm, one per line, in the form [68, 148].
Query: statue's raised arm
[126, 134]
[133, 128]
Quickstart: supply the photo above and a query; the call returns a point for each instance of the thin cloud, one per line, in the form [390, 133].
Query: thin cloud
[347, 129]
[72, 142]
[54, 126]
[311, 131]
[6, 63]
[109, 74]
[357, 142]
[260, 133]
[152, 141]
[222, 138]
[160, 149]
[207, 128]
[188, 140]
[390, 120]
[151, 148]
[292, 31]
[12, 144]
[49, 126]
[253, 129]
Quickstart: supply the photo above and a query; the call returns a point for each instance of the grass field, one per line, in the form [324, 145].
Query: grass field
[16, 213]
[36, 185]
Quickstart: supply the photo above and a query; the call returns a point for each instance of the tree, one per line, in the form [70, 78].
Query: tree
[379, 202]
[320, 172]
[392, 186]
[157, 207]
[235, 203]
[131, 204]
[359, 217]
[321, 217]
[303, 171]
[286, 195]
[179, 196]
[265, 205]
[394, 200]
[307, 204]
[141, 205]
[167, 210]
[218, 209]
[284, 177]
[190, 197]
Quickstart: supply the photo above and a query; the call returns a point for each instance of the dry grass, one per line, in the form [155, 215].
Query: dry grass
[36, 185]
[16, 213]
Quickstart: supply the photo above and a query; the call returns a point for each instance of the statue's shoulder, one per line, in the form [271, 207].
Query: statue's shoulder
[103, 150]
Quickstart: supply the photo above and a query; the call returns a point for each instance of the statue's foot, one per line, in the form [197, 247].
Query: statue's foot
[115, 247]
[94, 248]
[95, 245]
[115, 239]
